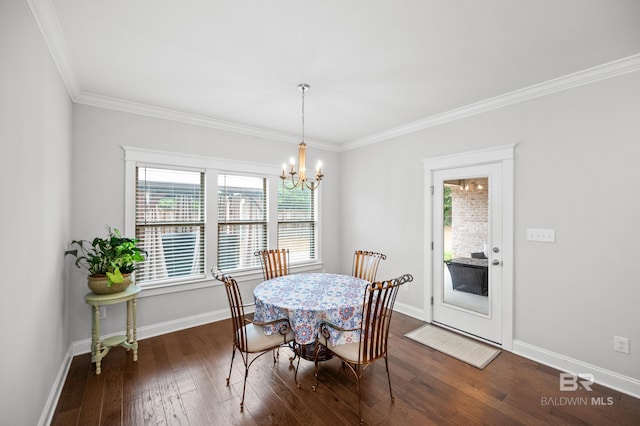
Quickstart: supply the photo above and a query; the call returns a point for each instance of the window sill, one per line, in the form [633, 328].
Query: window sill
[158, 289]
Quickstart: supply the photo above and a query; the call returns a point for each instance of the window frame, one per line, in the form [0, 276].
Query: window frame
[212, 167]
[190, 277]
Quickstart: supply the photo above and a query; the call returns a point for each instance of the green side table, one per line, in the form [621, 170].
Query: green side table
[100, 349]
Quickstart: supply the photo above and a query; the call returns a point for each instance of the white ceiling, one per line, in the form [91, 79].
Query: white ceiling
[373, 65]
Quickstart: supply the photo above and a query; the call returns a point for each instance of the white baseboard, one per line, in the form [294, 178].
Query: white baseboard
[409, 310]
[46, 417]
[610, 379]
[84, 346]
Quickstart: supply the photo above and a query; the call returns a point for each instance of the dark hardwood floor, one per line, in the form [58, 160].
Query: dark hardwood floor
[179, 379]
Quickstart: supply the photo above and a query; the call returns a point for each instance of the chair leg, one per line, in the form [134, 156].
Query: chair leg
[386, 363]
[244, 386]
[292, 346]
[358, 374]
[315, 366]
[233, 355]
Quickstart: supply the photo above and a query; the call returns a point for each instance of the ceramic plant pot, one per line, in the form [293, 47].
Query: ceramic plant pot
[99, 284]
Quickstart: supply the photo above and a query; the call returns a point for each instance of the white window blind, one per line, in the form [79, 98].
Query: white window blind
[297, 223]
[170, 223]
[242, 220]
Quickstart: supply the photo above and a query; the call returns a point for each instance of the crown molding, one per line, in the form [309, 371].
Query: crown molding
[46, 20]
[580, 78]
[198, 120]
[576, 79]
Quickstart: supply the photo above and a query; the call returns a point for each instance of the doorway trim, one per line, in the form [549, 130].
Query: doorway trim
[504, 154]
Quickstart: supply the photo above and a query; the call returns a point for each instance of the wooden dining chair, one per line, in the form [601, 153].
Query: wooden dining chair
[248, 336]
[377, 308]
[275, 262]
[365, 264]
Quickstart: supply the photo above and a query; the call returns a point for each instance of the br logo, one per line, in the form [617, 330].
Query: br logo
[569, 382]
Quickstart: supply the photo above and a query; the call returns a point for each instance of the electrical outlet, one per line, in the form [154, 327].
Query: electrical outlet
[103, 312]
[621, 344]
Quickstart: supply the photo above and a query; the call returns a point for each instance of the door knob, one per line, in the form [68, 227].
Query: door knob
[496, 250]
[495, 262]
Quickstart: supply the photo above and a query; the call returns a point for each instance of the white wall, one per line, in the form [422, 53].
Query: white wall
[576, 169]
[98, 188]
[35, 155]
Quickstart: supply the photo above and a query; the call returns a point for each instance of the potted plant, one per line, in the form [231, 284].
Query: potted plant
[109, 261]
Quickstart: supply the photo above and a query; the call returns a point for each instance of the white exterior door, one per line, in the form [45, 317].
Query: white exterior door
[467, 280]
[470, 235]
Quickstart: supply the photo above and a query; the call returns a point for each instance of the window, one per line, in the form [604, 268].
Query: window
[242, 220]
[191, 213]
[170, 223]
[297, 223]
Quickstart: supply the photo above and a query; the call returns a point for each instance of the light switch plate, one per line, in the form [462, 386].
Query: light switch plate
[541, 235]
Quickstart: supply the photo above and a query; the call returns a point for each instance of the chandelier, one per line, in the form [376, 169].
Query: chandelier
[299, 177]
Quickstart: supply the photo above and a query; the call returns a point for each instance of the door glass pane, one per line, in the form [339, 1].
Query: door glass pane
[465, 236]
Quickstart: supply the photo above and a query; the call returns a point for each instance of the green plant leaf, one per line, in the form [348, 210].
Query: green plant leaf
[115, 277]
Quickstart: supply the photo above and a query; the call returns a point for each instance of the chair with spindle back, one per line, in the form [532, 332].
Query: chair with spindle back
[275, 262]
[378, 301]
[365, 264]
[249, 336]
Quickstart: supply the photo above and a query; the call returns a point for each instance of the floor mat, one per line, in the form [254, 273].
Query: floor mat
[460, 347]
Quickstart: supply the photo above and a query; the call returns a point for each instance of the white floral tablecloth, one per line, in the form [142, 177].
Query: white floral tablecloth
[307, 300]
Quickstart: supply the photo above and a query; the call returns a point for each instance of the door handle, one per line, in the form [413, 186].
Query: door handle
[495, 262]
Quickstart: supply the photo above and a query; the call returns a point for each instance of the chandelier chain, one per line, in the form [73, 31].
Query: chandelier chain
[303, 90]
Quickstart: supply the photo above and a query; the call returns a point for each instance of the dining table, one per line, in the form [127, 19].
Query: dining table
[306, 300]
